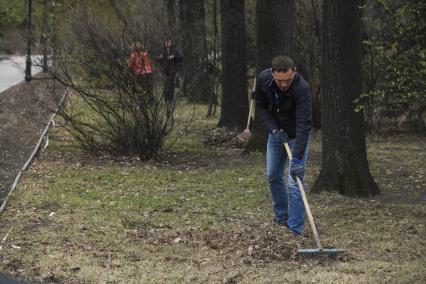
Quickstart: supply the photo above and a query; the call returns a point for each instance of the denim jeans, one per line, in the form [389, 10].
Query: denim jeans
[287, 204]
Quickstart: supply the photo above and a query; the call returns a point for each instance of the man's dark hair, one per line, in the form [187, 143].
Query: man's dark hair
[282, 63]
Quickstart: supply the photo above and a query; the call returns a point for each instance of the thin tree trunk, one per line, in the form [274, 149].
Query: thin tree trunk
[234, 107]
[344, 159]
[213, 101]
[28, 75]
[44, 34]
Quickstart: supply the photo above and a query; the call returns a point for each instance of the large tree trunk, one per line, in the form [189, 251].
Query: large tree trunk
[275, 30]
[197, 84]
[234, 108]
[344, 159]
[171, 14]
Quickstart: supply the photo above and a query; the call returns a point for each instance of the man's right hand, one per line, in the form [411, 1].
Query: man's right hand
[282, 134]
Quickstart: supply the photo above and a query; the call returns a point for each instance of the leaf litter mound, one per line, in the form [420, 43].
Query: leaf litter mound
[254, 244]
[222, 137]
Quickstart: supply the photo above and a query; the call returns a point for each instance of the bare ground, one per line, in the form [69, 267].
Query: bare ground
[205, 217]
[24, 112]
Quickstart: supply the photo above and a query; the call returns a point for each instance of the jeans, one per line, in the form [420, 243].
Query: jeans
[287, 204]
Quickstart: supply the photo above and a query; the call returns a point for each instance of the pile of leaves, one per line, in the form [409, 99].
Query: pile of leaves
[222, 137]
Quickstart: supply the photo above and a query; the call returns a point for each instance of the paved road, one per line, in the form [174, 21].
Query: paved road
[12, 71]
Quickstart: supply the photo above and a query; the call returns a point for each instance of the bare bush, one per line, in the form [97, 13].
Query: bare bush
[114, 109]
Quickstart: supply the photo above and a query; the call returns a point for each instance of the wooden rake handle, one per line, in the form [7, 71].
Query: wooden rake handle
[251, 103]
[305, 202]
[250, 113]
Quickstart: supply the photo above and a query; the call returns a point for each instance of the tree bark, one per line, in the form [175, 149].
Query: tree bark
[213, 101]
[28, 74]
[275, 30]
[197, 83]
[344, 159]
[171, 14]
[44, 35]
[234, 107]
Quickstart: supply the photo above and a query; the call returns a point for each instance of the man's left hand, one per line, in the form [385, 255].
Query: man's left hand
[297, 168]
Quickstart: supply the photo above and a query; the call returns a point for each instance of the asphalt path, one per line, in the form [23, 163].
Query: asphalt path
[12, 71]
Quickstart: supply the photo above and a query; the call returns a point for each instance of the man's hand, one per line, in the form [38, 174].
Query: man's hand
[282, 134]
[297, 168]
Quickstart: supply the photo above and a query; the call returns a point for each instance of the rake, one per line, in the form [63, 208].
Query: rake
[246, 134]
[314, 251]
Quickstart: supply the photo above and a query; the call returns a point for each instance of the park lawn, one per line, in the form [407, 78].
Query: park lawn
[203, 214]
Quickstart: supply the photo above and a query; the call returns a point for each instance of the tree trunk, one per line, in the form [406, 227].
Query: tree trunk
[197, 83]
[344, 159]
[213, 101]
[234, 107]
[28, 74]
[44, 34]
[171, 14]
[275, 29]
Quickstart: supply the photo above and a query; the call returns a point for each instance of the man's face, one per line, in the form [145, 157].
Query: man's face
[284, 79]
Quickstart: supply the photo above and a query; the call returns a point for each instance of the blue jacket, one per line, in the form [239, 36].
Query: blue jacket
[290, 110]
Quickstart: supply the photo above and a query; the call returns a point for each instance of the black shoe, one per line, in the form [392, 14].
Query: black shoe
[296, 234]
[281, 223]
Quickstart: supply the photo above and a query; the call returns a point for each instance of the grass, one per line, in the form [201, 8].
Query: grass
[203, 214]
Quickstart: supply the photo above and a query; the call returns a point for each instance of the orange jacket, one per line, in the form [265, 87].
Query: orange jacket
[140, 63]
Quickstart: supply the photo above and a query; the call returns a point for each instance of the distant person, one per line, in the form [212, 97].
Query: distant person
[140, 64]
[284, 105]
[169, 59]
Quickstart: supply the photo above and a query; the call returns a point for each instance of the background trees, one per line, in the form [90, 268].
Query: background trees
[392, 56]
[394, 65]
[12, 26]
[393, 47]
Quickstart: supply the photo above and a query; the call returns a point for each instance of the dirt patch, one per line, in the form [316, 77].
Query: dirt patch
[252, 244]
[24, 112]
[264, 246]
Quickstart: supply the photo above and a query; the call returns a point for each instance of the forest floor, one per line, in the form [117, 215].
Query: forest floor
[202, 214]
